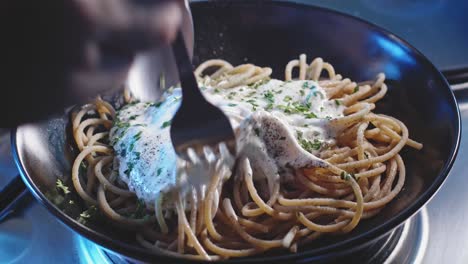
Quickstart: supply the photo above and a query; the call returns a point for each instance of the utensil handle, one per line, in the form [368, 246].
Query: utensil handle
[11, 194]
[185, 68]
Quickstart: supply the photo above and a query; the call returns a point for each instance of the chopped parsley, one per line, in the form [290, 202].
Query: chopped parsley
[120, 124]
[310, 115]
[87, 214]
[310, 146]
[302, 92]
[159, 171]
[132, 146]
[269, 106]
[166, 124]
[269, 96]
[251, 94]
[295, 108]
[232, 104]
[337, 102]
[158, 104]
[287, 98]
[318, 93]
[253, 103]
[305, 85]
[129, 168]
[137, 136]
[299, 134]
[231, 95]
[356, 89]
[278, 91]
[61, 186]
[216, 90]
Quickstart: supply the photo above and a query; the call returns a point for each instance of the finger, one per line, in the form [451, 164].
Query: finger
[160, 23]
[131, 26]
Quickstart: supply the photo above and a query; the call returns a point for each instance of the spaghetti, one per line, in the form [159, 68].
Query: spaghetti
[361, 171]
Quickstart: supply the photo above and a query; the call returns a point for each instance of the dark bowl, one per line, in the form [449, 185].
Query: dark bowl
[271, 34]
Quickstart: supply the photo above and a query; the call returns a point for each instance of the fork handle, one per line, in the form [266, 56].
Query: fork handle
[187, 78]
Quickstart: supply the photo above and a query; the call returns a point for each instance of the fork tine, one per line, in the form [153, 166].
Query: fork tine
[193, 156]
[225, 154]
[209, 154]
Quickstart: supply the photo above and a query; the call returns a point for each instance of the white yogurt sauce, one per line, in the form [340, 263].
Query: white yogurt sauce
[297, 112]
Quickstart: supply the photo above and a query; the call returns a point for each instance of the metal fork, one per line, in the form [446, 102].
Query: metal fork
[197, 123]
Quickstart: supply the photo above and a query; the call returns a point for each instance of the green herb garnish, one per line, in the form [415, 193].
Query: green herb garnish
[251, 94]
[129, 169]
[269, 106]
[319, 93]
[356, 89]
[61, 186]
[278, 91]
[299, 134]
[253, 103]
[158, 104]
[231, 95]
[87, 214]
[310, 146]
[166, 124]
[137, 136]
[255, 85]
[310, 115]
[287, 98]
[269, 96]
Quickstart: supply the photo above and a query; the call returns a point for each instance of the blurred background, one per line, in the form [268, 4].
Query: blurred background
[437, 28]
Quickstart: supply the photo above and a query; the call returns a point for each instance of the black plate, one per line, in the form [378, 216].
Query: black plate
[271, 34]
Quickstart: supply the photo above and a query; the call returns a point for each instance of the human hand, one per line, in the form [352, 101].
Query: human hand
[59, 52]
